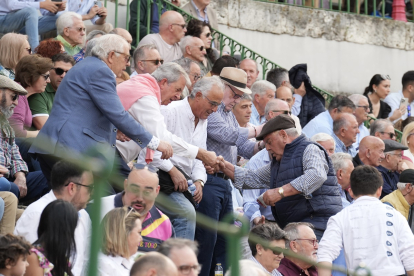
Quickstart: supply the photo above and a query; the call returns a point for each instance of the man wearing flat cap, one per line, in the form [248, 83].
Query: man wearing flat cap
[403, 198]
[226, 138]
[303, 185]
[391, 166]
[23, 184]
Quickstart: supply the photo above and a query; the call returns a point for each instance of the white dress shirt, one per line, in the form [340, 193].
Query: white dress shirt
[111, 266]
[180, 121]
[147, 112]
[370, 232]
[28, 223]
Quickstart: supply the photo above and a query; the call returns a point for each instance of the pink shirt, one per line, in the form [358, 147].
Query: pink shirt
[21, 118]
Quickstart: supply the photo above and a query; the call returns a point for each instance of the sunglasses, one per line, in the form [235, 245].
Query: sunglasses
[80, 29]
[385, 77]
[181, 25]
[155, 61]
[46, 76]
[59, 71]
[236, 96]
[15, 97]
[201, 48]
[208, 35]
[142, 167]
[389, 133]
[286, 112]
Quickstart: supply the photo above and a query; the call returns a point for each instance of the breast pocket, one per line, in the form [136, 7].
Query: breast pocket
[94, 136]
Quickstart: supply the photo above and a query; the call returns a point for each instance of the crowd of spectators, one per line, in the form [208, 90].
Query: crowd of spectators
[177, 117]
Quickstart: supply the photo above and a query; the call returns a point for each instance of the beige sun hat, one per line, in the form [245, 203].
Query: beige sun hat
[236, 78]
[6, 83]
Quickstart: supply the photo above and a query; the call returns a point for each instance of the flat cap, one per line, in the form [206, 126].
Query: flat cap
[407, 176]
[279, 122]
[391, 145]
[6, 83]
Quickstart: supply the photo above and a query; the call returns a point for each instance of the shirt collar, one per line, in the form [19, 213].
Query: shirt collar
[65, 43]
[274, 272]
[118, 200]
[197, 9]
[188, 109]
[341, 144]
[49, 88]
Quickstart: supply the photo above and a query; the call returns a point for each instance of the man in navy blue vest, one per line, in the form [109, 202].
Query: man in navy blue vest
[303, 184]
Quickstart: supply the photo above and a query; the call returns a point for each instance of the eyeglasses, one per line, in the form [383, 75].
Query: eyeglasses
[80, 29]
[286, 112]
[142, 167]
[155, 61]
[214, 104]
[59, 71]
[181, 25]
[196, 76]
[186, 269]
[314, 242]
[385, 77]
[236, 96]
[46, 76]
[365, 107]
[89, 187]
[399, 155]
[29, 50]
[389, 133]
[127, 57]
[15, 97]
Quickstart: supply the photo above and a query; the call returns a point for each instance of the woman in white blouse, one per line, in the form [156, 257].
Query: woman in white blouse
[121, 238]
[408, 141]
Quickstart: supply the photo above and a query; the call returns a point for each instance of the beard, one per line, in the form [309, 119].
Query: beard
[7, 111]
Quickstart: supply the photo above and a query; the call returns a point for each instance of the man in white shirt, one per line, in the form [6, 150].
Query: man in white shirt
[74, 185]
[369, 231]
[186, 119]
[361, 114]
[146, 60]
[142, 96]
[172, 29]
[394, 99]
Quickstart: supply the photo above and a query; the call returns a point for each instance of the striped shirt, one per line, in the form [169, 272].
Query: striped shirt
[315, 168]
[273, 273]
[224, 132]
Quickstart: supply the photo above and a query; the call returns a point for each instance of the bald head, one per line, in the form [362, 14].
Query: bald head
[172, 27]
[153, 263]
[193, 48]
[252, 70]
[124, 33]
[284, 93]
[169, 17]
[275, 107]
[371, 151]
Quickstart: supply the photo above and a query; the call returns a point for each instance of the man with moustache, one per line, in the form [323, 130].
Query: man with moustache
[24, 184]
[140, 190]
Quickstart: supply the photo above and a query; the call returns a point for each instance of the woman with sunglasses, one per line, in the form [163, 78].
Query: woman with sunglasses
[55, 246]
[120, 240]
[378, 89]
[13, 47]
[202, 30]
[269, 260]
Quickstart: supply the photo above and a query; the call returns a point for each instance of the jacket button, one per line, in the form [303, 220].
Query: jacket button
[115, 130]
[113, 145]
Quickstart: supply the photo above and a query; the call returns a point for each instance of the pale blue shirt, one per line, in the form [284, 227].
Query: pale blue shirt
[7, 6]
[394, 101]
[321, 123]
[200, 17]
[340, 146]
[251, 208]
[82, 7]
[363, 132]
[255, 118]
[297, 104]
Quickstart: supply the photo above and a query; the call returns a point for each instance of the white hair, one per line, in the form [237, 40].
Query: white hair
[66, 21]
[322, 137]
[271, 105]
[260, 87]
[292, 132]
[356, 98]
[338, 160]
[205, 85]
[401, 185]
[185, 41]
[108, 43]
[172, 72]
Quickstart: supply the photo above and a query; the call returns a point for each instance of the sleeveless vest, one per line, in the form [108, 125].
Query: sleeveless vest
[317, 208]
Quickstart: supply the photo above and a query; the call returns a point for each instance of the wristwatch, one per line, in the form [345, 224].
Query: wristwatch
[201, 182]
[281, 191]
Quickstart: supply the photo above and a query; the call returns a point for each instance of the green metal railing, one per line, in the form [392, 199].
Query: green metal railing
[376, 8]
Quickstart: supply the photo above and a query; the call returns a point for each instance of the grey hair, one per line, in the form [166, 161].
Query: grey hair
[356, 98]
[292, 231]
[246, 97]
[379, 125]
[277, 76]
[108, 43]
[272, 104]
[177, 243]
[94, 33]
[139, 53]
[184, 42]
[172, 72]
[66, 21]
[341, 122]
[401, 186]
[204, 86]
[260, 87]
[89, 47]
[338, 160]
[185, 63]
[292, 132]
[257, 65]
[322, 137]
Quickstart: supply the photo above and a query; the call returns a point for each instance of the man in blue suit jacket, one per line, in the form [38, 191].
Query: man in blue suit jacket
[87, 110]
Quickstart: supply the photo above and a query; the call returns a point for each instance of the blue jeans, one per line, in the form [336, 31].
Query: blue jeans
[216, 204]
[27, 21]
[184, 227]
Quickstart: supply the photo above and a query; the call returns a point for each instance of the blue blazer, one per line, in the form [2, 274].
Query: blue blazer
[86, 112]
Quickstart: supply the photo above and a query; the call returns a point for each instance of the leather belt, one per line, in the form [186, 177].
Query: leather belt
[221, 175]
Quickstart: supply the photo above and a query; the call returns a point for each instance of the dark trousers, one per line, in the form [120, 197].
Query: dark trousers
[216, 204]
[36, 187]
[24, 145]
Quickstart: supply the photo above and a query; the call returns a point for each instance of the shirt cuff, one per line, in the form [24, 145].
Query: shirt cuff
[154, 143]
[255, 215]
[193, 151]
